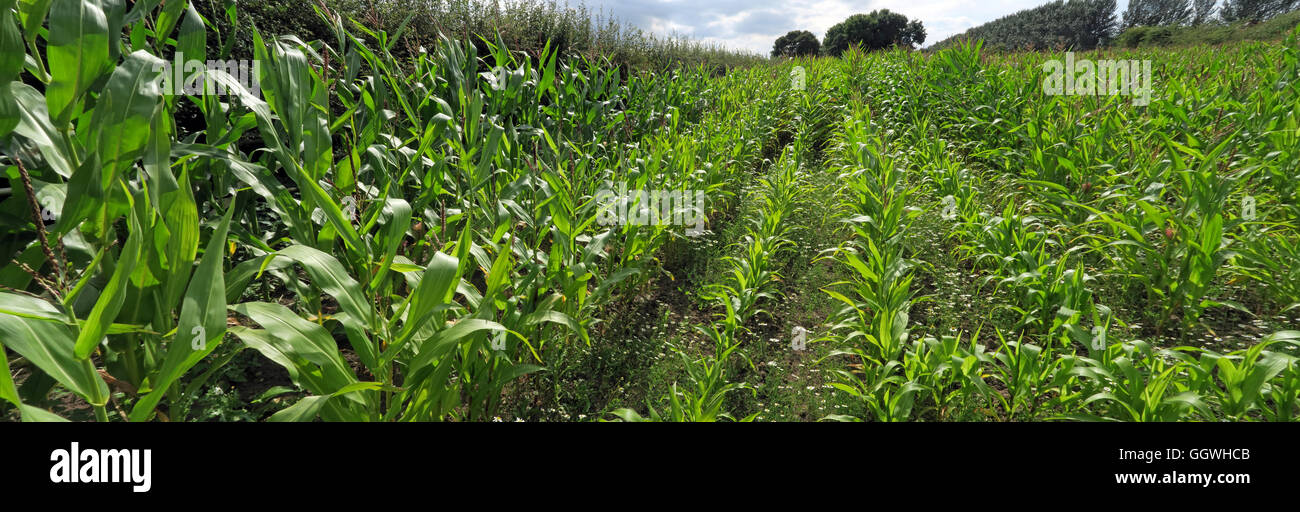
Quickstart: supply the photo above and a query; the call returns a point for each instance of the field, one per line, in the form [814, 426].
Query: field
[456, 234]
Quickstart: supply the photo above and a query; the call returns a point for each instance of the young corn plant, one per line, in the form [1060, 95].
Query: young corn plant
[874, 319]
[1026, 372]
[750, 279]
[1139, 384]
[1242, 377]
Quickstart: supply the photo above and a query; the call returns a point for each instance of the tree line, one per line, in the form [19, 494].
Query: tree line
[1087, 24]
[876, 30]
[1077, 24]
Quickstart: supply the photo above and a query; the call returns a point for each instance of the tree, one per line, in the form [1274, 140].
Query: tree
[1255, 11]
[1076, 24]
[796, 43]
[914, 33]
[1203, 10]
[1154, 13]
[875, 31]
[1092, 23]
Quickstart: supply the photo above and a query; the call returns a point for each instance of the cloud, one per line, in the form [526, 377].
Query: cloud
[769, 21]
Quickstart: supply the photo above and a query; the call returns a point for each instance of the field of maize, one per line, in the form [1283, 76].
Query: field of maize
[342, 235]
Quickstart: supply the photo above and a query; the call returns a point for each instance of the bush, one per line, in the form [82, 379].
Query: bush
[1158, 36]
[1132, 37]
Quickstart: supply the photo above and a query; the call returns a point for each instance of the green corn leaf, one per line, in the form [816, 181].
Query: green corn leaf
[435, 289]
[32, 13]
[399, 219]
[167, 19]
[122, 118]
[444, 340]
[312, 355]
[77, 52]
[328, 274]
[34, 124]
[110, 300]
[305, 409]
[309, 407]
[49, 345]
[202, 323]
[9, 392]
[12, 54]
[191, 41]
[29, 307]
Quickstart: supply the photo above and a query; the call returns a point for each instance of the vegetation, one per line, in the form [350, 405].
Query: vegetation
[1209, 33]
[1255, 11]
[889, 235]
[1074, 24]
[796, 43]
[875, 31]
[1151, 13]
[523, 25]
[1088, 24]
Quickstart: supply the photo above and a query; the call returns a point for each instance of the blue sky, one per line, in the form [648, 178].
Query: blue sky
[755, 24]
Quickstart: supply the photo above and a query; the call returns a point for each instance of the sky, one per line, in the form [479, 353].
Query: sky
[755, 24]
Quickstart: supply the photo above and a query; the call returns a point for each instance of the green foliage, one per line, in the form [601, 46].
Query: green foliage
[1255, 11]
[1153, 13]
[874, 31]
[522, 25]
[426, 237]
[1074, 24]
[432, 222]
[1131, 38]
[1209, 33]
[796, 43]
[1157, 36]
[1085, 219]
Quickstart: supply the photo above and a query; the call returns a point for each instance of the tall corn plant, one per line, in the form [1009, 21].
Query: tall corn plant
[111, 291]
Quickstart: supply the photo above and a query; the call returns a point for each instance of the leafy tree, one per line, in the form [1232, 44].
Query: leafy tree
[914, 33]
[796, 43]
[875, 31]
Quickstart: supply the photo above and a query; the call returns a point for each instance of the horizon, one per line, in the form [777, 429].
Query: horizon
[754, 25]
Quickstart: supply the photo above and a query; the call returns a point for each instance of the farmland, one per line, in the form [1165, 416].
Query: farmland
[342, 231]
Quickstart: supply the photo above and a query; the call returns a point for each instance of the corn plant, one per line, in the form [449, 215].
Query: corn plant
[1140, 384]
[128, 304]
[1026, 371]
[888, 396]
